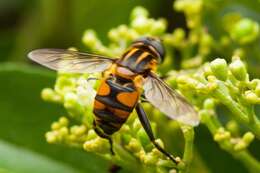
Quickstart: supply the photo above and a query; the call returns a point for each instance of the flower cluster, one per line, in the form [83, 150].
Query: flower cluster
[206, 84]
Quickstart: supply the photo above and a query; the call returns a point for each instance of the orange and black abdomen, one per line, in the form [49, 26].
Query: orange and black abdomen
[113, 104]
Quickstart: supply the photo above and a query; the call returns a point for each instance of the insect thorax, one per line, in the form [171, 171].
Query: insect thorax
[138, 60]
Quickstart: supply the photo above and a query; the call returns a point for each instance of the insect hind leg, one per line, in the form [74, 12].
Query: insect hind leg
[147, 127]
[103, 135]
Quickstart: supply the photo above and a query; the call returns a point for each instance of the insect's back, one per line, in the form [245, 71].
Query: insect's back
[113, 104]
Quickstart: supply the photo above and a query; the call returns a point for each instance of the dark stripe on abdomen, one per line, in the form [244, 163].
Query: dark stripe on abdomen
[112, 102]
[107, 115]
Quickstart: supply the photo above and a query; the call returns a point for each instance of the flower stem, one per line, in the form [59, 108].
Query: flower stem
[188, 149]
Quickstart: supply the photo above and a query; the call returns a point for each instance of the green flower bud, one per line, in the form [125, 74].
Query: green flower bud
[159, 27]
[248, 137]
[126, 138]
[219, 68]
[233, 127]
[212, 83]
[139, 12]
[89, 38]
[207, 70]
[245, 31]
[55, 126]
[136, 125]
[63, 132]
[241, 145]
[48, 94]
[238, 69]
[209, 104]
[98, 145]
[141, 25]
[173, 171]
[51, 137]
[254, 83]
[63, 121]
[150, 159]
[142, 137]
[222, 135]
[72, 105]
[91, 134]
[64, 84]
[134, 145]
[251, 97]
[78, 130]
[257, 89]
[225, 41]
[179, 34]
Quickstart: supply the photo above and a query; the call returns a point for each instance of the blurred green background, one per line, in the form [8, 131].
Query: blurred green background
[24, 117]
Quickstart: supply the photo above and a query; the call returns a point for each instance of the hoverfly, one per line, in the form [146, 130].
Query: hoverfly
[124, 81]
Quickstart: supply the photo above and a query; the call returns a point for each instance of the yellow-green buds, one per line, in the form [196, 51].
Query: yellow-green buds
[219, 68]
[49, 94]
[245, 31]
[238, 69]
[251, 97]
[221, 135]
[209, 104]
[244, 142]
[139, 11]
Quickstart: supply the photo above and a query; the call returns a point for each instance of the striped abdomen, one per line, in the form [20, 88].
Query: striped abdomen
[113, 104]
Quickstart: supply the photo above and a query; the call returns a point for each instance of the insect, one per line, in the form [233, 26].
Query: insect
[125, 80]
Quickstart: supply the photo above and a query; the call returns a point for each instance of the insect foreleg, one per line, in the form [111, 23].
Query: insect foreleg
[103, 135]
[92, 78]
[147, 127]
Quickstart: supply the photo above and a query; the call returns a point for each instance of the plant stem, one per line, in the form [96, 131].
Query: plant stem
[188, 133]
[244, 156]
[238, 112]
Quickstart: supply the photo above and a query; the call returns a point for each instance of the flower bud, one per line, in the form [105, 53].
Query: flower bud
[251, 97]
[142, 137]
[241, 145]
[233, 127]
[63, 121]
[245, 31]
[248, 137]
[63, 132]
[219, 68]
[222, 135]
[209, 104]
[89, 38]
[139, 11]
[134, 145]
[98, 145]
[150, 159]
[48, 94]
[55, 126]
[72, 105]
[51, 137]
[159, 27]
[238, 69]
[141, 24]
[257, 89]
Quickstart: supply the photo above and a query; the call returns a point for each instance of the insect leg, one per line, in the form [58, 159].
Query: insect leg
[103, 135]
[92, 78]
[147, 127]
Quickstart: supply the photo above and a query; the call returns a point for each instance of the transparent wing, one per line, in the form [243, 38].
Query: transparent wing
[70, 61]
[168, 101]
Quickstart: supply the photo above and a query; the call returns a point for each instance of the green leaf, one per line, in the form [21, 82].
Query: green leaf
[18, 159]
[24, 119]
